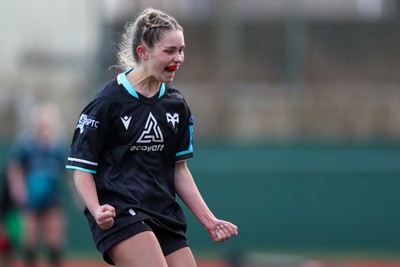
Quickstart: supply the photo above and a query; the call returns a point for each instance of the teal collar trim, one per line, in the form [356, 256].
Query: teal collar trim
[162, 90]
[128, 86]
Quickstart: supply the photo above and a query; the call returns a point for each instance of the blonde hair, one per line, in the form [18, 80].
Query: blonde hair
[147, 29]
[45, 119]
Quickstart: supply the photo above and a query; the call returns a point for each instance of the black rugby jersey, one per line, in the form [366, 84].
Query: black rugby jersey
[131, 144]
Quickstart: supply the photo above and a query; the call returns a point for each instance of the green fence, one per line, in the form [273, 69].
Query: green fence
[302, 196]
[291, 196]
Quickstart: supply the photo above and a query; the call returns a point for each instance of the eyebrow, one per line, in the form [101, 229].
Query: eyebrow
[170, 47]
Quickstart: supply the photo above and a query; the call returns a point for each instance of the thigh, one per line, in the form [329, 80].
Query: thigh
[53, 225]
[141, 250]
[30, 224]
[181, 258]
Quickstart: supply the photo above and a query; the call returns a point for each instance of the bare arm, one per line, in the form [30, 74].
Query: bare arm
[75, 196]
[15, 176]
[86, 187]
[187, 190]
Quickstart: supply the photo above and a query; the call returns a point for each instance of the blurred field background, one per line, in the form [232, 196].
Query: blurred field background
[297, 116]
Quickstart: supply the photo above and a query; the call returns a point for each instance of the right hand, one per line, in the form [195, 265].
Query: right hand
[104, 216]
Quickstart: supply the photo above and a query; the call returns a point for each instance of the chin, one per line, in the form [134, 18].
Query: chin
[167, 80]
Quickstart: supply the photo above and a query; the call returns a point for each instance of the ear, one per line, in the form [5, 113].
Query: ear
[142, 52]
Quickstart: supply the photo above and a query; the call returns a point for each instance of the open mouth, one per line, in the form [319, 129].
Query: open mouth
[171, 68]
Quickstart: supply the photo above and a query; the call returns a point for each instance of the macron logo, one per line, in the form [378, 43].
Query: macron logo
[126, 120]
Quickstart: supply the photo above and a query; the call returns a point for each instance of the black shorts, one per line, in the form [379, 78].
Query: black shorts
[169, 241]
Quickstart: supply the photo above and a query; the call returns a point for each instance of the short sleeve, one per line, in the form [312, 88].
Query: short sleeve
[89, 138]
[185, 136]
[17, 153]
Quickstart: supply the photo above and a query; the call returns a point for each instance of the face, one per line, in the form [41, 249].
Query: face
[167, 56]
[45, 123]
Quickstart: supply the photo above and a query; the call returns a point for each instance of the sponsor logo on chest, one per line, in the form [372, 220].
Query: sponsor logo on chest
[151, 138]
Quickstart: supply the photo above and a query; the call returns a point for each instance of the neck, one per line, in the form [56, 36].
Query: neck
[143, 83]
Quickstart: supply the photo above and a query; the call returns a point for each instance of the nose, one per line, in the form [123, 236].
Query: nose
[179, 58]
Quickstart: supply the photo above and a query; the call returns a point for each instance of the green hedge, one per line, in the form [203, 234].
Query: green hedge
[289, 196]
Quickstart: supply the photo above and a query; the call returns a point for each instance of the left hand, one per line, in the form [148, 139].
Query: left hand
[222, 230]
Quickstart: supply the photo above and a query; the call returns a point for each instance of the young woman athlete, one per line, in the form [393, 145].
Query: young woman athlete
[36, 176]
[129, 153]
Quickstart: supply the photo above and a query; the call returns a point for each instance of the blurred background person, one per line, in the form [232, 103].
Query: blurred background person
[35, 173]
[6, 246]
